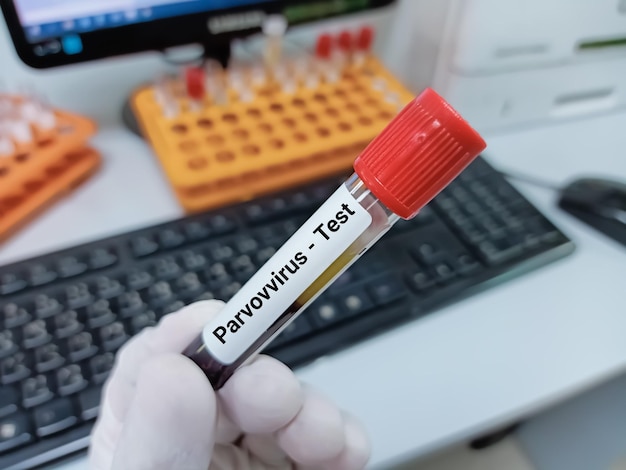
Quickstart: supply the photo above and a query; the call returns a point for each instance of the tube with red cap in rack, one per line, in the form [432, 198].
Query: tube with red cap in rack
[324, 51]
[364, 43]
[419, 153]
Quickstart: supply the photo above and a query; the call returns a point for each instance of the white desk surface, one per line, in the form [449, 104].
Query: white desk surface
[487, 361]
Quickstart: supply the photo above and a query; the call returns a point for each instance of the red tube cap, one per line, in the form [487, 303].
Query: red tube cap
[365, 38]
[194, 77]
[324, 46]
[418, 154]
[345, 41]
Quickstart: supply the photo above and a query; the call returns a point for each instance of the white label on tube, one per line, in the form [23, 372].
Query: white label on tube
[294, 267]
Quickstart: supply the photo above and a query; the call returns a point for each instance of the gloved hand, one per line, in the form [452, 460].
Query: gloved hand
[159, 412]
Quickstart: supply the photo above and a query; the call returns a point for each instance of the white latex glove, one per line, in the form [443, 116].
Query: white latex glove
[159, 412]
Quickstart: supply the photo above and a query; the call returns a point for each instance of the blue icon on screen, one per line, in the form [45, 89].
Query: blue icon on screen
[84, 23]
[72, 44]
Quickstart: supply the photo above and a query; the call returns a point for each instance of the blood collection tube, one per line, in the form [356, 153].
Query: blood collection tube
[364, 42]
[419, 153]
[195, 85]
[323, 55]
[345, 41]
[215, 82]
[20, 131]
[35, 112]
[274, 28]
[164, 95]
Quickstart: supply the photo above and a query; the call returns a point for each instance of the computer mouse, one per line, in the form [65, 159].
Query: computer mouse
[599, 202]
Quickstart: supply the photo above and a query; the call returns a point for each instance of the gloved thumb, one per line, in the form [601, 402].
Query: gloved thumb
[171, 421]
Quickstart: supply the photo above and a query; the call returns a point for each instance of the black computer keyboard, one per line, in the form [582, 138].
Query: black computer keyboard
[64, 315]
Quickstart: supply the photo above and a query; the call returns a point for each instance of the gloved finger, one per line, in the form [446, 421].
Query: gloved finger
[232, 457]
[172, 335]
[104, 437]
[266, 449]
[357, 449]
[262, 397]
[316, 435]
[171, 421]
[226, 431]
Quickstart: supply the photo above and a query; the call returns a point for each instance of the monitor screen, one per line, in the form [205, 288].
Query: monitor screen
[51, 18]
[50, 33]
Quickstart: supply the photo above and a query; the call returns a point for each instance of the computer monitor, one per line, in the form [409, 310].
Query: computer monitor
[49, 33]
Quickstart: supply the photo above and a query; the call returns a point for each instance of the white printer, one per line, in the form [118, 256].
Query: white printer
[509, 63]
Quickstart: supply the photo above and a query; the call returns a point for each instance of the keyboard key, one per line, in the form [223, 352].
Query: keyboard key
[81, 347]
[130, 304]
[324, 313]
[113, 336]
[386, 290]
[197, 231]
[106, 287]
[143, 246]
[166, 268]
[160, 294]
[40, 274]
[221, 225]
[101, 366]
[193, 261]
[420, 281]
[271, 235]
[66, 324]
[70, 380]
[78, 295]
[443, 272]
[189, 286]
[264, 255]
[219, 252]
[99, 314]
[35, 391]
[142, 321]
[257, 213]
[498, 250]
[102, 258]
[89, 403]
[428, 253]
[298, 201]
[46, 306]
[13, 369]
[8, 345]
[242, 267]
[54, 417]
[170, 238]
[9, 398]
[137, 280]
[471, 233]
[70, 266]
[467, 265]
[35, 334]
[246, 245]
[424, 217]
[354, 301]
[11, 283]
[216, 273]
[15, 431]
[15, 315]
[48, 358]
